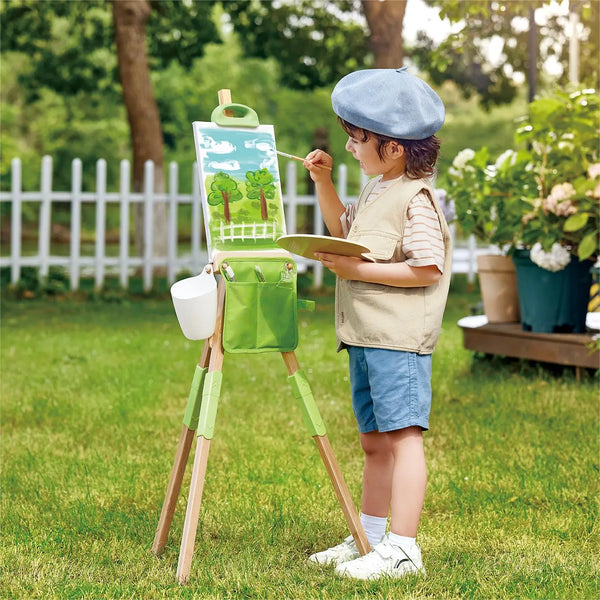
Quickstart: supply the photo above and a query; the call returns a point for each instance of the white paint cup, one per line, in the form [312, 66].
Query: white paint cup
[195, 302]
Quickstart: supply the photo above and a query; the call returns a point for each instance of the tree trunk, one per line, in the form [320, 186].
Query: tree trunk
[532, 54]
[385, 19]
[226, 211]
[130, 18]
[264, 215]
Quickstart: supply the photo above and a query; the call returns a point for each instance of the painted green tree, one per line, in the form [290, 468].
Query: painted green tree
[224, 189]
[260, 186]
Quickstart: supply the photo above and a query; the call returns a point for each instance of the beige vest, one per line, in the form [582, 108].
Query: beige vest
[382, 316]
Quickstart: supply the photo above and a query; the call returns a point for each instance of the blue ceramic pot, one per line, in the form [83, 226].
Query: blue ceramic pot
[553, 302]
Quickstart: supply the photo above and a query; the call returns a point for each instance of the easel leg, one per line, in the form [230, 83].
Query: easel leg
[313, 421]
[190, 422]
[206, 425]
[192, 513]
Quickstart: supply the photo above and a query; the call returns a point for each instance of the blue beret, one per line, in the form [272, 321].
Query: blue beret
[390, 102]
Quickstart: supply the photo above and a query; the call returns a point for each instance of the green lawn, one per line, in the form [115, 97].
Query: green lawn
[92, 401]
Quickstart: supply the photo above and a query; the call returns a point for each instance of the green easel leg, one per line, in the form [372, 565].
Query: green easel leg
[206, 426]
[211, 390]
[316, 427]
[190, 422]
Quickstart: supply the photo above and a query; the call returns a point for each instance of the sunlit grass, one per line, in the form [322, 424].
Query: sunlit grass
[93, 397]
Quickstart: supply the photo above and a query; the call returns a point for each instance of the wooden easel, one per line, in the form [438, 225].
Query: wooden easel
[200, 419]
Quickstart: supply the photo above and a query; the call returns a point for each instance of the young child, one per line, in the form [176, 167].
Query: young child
[389, 311]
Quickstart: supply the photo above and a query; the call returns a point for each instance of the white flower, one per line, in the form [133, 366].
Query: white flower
[558, 201]
[561, 191]
[490, 172]
[540, 148]
[555, 260]
[507, 155]
[565, 146]
[594, 171]
[462, 158]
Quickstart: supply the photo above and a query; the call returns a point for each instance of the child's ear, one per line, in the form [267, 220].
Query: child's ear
[395, 150]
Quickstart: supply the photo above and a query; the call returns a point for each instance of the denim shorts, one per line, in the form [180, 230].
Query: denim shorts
[391, 389]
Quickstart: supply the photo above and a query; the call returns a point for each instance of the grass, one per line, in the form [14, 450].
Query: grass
[92, 399]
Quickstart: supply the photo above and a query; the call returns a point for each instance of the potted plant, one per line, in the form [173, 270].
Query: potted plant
[558, 234]
[540, 204]
[487, 207]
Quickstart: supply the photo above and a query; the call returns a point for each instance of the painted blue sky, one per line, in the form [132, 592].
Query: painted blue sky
[235, 150]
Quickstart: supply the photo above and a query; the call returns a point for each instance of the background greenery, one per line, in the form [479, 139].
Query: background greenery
[60, 92]
[91, 126]
[90, 122]
[93, 395]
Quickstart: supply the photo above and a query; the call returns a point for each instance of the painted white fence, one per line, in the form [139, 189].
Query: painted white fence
[248, 231]
[99, 265]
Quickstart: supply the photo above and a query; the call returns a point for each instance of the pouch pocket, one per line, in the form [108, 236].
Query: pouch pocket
[382, 247]
[261, 316]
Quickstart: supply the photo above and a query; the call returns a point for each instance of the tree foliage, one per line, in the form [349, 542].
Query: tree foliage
[463, 57]
[315, 42]
[260, 186]
[60, 93]
[179, 31]
[224, 189]
[66, 68]
[69, 42]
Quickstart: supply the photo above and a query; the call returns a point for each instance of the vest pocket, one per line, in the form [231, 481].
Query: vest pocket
[382, 247]
[364, 287]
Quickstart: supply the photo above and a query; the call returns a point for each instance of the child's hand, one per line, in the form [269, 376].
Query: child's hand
[319, 165]
[345, 267]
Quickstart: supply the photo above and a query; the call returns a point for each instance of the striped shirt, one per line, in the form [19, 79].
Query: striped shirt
[423, 243]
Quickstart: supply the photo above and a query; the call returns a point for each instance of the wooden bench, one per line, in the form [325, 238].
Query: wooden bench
[509, 339]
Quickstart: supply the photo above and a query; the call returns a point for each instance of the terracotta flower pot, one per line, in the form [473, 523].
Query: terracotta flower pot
[498, 284]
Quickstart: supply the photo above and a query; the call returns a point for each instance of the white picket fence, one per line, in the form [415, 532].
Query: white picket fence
[100, 265]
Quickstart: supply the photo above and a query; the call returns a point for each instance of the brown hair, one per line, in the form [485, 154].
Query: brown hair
[421, 155]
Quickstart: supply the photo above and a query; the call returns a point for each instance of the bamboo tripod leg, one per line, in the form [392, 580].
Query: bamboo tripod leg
[206, 422]
[181, 458]
[317, 428]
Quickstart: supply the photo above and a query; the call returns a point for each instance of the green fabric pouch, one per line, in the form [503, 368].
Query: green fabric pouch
[261, 308]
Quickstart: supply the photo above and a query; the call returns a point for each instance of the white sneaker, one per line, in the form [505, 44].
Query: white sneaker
[337, 555]
[384, 560]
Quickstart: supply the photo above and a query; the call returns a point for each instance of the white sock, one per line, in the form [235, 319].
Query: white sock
[374, 528]
[406, 543]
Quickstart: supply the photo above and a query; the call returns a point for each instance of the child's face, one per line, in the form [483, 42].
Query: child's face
[391, 166]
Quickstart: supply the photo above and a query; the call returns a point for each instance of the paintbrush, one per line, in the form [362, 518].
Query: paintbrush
[301, 159]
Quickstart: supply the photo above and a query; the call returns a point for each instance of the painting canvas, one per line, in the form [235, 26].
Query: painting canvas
[240, 186]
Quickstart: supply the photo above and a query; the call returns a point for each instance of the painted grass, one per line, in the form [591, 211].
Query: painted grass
[92, 401]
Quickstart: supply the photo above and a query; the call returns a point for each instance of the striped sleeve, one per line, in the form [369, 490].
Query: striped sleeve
[423, 243]
[347, 218]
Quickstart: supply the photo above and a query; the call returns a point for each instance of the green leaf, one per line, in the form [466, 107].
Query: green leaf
[576, 222]
[588, 245]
